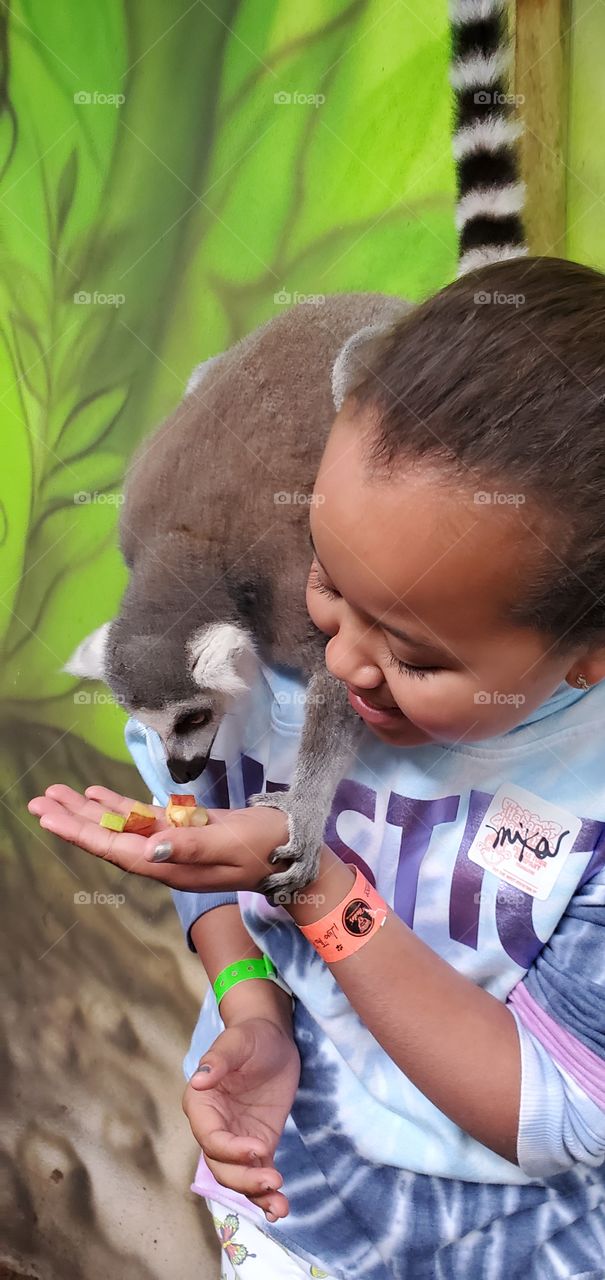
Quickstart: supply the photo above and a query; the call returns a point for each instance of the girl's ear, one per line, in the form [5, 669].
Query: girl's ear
[591, 667]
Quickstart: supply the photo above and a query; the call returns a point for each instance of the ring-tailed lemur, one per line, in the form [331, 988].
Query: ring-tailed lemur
[217, 557]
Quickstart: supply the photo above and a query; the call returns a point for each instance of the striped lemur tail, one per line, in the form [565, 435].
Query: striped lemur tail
[490, 193]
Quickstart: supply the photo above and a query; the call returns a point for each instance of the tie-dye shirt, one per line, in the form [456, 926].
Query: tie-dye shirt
[381, 1184]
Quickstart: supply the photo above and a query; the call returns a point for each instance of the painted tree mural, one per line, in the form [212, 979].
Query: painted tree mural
[170, 176]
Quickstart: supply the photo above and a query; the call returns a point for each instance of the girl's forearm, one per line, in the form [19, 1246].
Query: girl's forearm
[220, 938]
[454, 1041]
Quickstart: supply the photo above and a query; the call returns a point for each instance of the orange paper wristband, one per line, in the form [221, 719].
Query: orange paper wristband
[349, 925]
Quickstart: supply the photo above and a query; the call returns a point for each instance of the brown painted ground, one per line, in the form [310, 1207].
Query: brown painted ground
[99, 1003]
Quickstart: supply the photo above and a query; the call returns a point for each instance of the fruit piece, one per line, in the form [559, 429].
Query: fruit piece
[147, 810]
[138, 825]
[175, 807]
[186, 815]
[113, 821]
[142, 820]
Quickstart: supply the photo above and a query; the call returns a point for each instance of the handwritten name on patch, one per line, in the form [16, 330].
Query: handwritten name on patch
[524, 840]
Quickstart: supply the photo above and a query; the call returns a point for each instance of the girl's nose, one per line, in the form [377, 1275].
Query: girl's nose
[346, 660]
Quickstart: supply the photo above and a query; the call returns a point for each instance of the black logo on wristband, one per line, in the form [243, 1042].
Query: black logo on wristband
[357, 918]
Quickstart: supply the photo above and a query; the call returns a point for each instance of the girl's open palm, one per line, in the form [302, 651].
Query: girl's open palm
[241, 1105]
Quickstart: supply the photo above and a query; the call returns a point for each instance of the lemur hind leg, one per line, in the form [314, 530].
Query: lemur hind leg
[329, 737]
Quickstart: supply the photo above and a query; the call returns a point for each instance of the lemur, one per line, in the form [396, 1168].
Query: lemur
[217, 559]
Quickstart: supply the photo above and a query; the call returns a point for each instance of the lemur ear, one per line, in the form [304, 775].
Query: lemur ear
[88, 660]
[224, 658]
[352, 358]
[200, 372]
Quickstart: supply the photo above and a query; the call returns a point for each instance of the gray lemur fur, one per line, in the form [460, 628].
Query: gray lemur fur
[217, 562]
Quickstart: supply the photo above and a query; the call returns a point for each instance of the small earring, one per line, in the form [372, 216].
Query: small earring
[582, 682]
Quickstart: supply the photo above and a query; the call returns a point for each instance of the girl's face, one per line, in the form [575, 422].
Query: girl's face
[411, 580]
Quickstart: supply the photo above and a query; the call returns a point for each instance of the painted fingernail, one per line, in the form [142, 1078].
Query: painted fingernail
[203, 1069]
[162, 851]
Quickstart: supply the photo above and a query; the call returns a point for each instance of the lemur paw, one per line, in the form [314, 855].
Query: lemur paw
[276, 800]
[302, 850]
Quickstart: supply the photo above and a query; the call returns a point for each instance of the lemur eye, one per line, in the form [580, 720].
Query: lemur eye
[193, 721]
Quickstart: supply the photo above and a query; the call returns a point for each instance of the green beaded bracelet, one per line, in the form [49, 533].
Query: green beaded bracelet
[262, 967]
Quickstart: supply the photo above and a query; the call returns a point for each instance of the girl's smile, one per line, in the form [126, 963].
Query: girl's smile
[381, 716]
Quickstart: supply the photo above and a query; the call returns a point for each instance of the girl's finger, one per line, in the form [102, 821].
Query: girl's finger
[249, 1182]
[115, 802]
[125, 851]
[189, 845]
[274, 1205]
[69, 799]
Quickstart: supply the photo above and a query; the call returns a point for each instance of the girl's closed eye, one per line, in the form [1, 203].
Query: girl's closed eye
[316, 583]
[408, 668]
[405, 668]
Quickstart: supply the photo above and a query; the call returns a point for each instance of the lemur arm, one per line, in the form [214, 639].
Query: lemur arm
[220, 938]
[329, 737]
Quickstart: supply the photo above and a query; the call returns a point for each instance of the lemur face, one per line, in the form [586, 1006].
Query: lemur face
[187, 731]
[212, 671]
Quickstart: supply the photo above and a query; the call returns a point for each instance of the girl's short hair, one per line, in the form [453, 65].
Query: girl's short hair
[499, 381]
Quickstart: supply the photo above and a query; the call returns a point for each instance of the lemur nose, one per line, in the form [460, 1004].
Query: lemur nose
[186, 770]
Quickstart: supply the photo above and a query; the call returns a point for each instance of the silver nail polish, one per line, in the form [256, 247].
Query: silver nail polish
[162, 851]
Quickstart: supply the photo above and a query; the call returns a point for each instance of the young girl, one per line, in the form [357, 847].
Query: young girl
[432, 1102]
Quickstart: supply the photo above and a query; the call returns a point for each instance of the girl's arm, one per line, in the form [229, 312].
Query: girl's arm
[220, 938]
[455, 1042]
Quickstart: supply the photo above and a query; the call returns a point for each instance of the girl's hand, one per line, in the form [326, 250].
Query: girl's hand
[240, 1107]
[228, 854]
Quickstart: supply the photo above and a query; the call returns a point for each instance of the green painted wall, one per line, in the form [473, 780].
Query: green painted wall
[169, 172]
